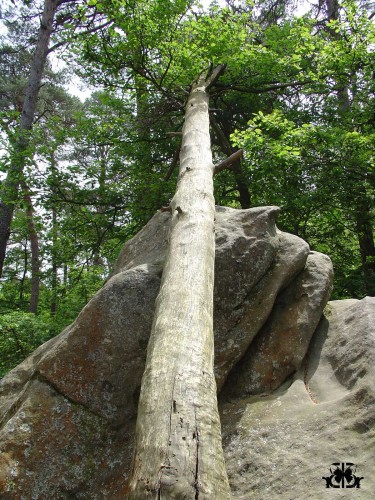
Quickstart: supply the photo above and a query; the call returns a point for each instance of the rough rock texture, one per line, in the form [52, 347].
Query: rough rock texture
[67, 414]
[279, 348]
[69, 410]
[283, 444]
[235, 329]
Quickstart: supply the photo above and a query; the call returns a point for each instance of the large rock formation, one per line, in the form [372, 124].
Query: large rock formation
[283, 444]
[67, 413]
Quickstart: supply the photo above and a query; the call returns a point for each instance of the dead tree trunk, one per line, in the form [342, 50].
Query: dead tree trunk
[178, 438]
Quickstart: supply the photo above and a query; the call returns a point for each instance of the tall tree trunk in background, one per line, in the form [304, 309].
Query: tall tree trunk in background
[54, 235]
[365, 233]
[102, 154]
[9, 189]
[332, 8]
[24, 274]
[53, 307]
[178, 450]
[360, 201]
[34, 243]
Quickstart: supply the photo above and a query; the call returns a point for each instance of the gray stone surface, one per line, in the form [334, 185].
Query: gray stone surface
[281, 445]
[245, 239]
[67, 413]
[280, 346]
[236, 329]
[147, 248]
[69, 410]
[53, 448]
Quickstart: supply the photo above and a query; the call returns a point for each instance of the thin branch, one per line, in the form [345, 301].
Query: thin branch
[228, 162]
[269, 88]
[214, 76]
[173, 134]
[173, 164]
[78, 35]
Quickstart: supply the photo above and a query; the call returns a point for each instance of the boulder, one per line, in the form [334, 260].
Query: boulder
[280, 346]
[236, 329]
[284, 444]
[67, 413]
[54, 448]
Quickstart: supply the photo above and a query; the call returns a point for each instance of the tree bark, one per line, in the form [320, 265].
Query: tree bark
[53, 307]
[54, 234]
[365, 234]
[24, 274]
[332, 9]
[178, 437]
[9, 189]
[34, 243]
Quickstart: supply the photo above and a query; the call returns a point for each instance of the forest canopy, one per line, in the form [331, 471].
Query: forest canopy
[80, 177]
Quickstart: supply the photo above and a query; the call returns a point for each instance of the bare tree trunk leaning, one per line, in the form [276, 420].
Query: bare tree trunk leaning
[178, 437]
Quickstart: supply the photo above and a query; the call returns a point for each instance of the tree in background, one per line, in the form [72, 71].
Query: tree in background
[317, 153]
[21, 142]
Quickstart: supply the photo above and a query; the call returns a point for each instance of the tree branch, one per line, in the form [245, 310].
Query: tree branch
[214, 75]
[173, 134]
[269, 88]
[228, 162]
[76, 36]
[172, 165]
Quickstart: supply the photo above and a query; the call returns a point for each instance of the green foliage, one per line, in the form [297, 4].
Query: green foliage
[321, 176]
[20, 334]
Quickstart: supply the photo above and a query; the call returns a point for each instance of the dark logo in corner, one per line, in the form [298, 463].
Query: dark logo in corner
[343, 476]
